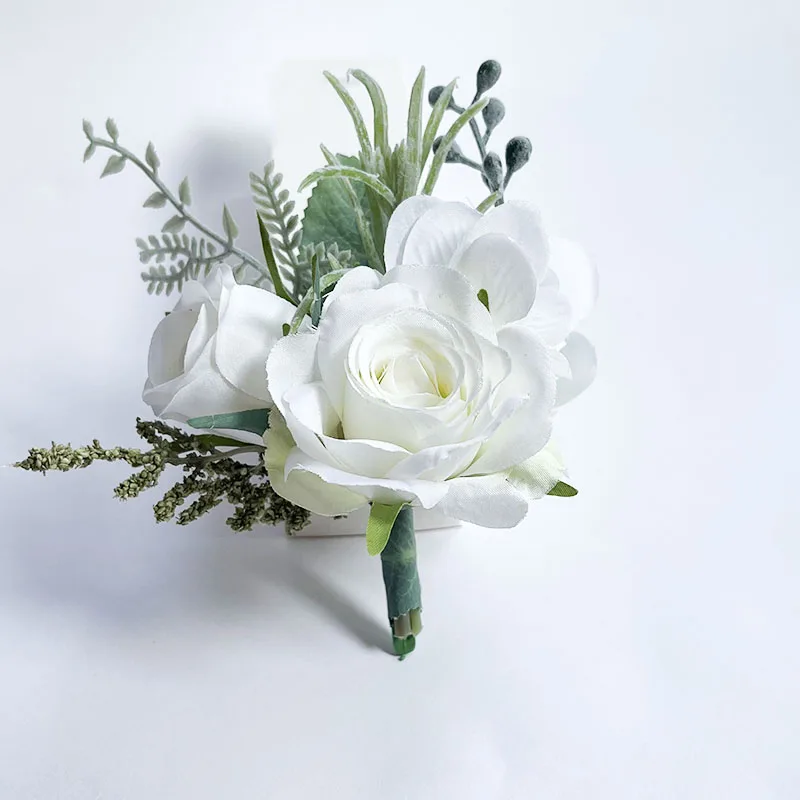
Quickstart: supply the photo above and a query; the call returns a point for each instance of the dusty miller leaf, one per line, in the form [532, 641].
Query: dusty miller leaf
[151, 157]
[113, 165]
[156, 200]
[184, 194]
[229, 225]
[113, 130]
[174, 224]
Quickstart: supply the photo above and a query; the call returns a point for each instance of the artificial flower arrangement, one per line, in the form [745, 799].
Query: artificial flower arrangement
[391, 350]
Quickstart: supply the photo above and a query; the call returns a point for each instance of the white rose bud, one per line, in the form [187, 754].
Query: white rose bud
[208, 356]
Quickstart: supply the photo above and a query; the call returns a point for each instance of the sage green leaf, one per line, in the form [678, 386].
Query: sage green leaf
[414, 136]
[303, 309]
[151, 157]
[113, 165]
[380, 111]
[174, 224]
[228, 224]
[352, 174]
[435, 120]
[330, 217]
[89, 151]
[272, 264]
[184, 194]
[399, 565]
[88, 129]
[113, 130]
[562, 489]
[483, 296]
[156, 200]
[353, 110]
[255, 421]
[447, 140]
[379, 526]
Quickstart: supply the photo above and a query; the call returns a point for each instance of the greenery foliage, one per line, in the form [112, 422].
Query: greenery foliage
[213, 475]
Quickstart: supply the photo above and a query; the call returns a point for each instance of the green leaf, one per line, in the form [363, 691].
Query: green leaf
[562, 489]
[435, 120]
[272, 265]
[255, 421]
[113, 165]
[184, 195]
[156, 200]
[352, 174]
[89, 151]
[113, 130]
[483, 296]
[88, 129]
[213, 440]
[352, 108]
[151, 157]
[316, 305]
[414, 136]
[229, 225]
[330, 218]
[379, 109]
[174, 224]
[379, 526]
[490, 201]
[447, 141]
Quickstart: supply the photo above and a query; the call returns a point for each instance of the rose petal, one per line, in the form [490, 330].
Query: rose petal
[379, 490]
[303, 488]
[577, 277]
[536, 476]
[528, 429]
[248, 328]
[437, 463]
[522, 223]
[168, 346]
[489, 501]
[444, 291]
[404, 218]
[344, 315]
[291, 362]
[439, 233]
[498, 265]
[358, 279]
[582, 358]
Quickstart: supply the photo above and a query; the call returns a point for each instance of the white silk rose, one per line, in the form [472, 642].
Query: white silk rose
[546, 284]
[407, 393]
[207, 356]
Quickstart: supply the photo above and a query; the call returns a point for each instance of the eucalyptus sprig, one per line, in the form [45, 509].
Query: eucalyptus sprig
[517, 150]
[188, 261]
[211, 472]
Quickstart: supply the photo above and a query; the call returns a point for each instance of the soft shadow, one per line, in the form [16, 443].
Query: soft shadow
[299, 578]
[218, 163]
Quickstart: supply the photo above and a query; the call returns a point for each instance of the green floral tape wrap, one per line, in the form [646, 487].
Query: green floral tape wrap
[399, 562]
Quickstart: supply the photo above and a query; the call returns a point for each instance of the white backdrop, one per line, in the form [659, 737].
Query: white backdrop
[639, 641]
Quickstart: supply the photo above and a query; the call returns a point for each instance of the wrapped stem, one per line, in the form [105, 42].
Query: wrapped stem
[401, 581]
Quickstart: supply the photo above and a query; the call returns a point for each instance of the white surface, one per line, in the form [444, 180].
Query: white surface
[637, 642]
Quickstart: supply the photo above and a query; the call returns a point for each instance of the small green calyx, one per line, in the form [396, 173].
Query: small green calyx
[483, 296]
